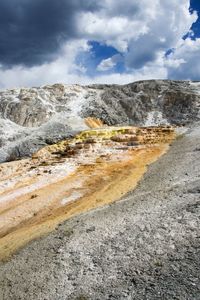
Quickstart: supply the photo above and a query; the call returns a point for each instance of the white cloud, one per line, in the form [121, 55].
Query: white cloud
[171, 23]
[109, 63]
[106, 64]
[123, 23]
[184, 62]
[115, 31]
[142, 30]
[63, 69]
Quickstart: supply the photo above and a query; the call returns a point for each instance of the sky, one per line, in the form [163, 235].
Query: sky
[107, 41]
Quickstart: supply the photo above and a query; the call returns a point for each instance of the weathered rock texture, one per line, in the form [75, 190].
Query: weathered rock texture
[33, 118]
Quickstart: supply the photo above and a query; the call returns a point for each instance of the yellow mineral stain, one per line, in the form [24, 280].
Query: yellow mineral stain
[105, 165]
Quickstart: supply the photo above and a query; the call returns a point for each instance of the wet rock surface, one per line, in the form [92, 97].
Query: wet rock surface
[41, 116]
[145, 246]
[63, 180]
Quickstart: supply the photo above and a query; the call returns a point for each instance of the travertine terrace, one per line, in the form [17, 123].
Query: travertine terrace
[96, 167]
[88, 207]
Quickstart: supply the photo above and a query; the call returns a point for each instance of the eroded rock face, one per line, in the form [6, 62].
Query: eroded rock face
[177, 102]
[32, 118]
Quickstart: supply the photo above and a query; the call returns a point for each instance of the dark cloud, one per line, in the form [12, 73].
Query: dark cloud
[143, 51]
[32, 31]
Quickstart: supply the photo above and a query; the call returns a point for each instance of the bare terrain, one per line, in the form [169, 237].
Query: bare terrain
[125, 239]
[146, 246]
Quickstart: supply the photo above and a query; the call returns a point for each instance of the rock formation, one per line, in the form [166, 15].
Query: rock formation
[35, 117]
[92, 169]
[67, 150]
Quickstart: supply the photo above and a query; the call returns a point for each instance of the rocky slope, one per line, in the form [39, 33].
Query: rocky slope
[33, 118]
[145, 246]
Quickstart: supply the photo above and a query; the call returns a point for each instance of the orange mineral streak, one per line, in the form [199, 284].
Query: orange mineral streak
[95, 168]
[93, 122]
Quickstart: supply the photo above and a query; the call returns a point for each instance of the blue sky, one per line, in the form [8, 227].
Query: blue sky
[99, 52]
[108, 41]
[195, 5]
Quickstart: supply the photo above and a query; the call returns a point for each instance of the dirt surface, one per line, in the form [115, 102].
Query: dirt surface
[146, 246]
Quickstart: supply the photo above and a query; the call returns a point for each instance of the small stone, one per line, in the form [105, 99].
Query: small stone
[91, 229]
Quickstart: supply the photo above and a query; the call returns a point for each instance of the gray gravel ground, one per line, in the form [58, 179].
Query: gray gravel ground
[146, 246]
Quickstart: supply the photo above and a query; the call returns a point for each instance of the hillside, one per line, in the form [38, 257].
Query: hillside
[99, 192]
[33, 118]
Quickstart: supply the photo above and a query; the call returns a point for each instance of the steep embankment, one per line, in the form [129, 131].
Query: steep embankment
[33, 118]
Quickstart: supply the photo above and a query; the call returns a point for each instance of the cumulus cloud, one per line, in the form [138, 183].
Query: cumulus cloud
[183, 63]
[115, 31]
[106, 64]
[62, 69]
[170, 24]
[33, 32]
[41, 39]
[109, 63]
